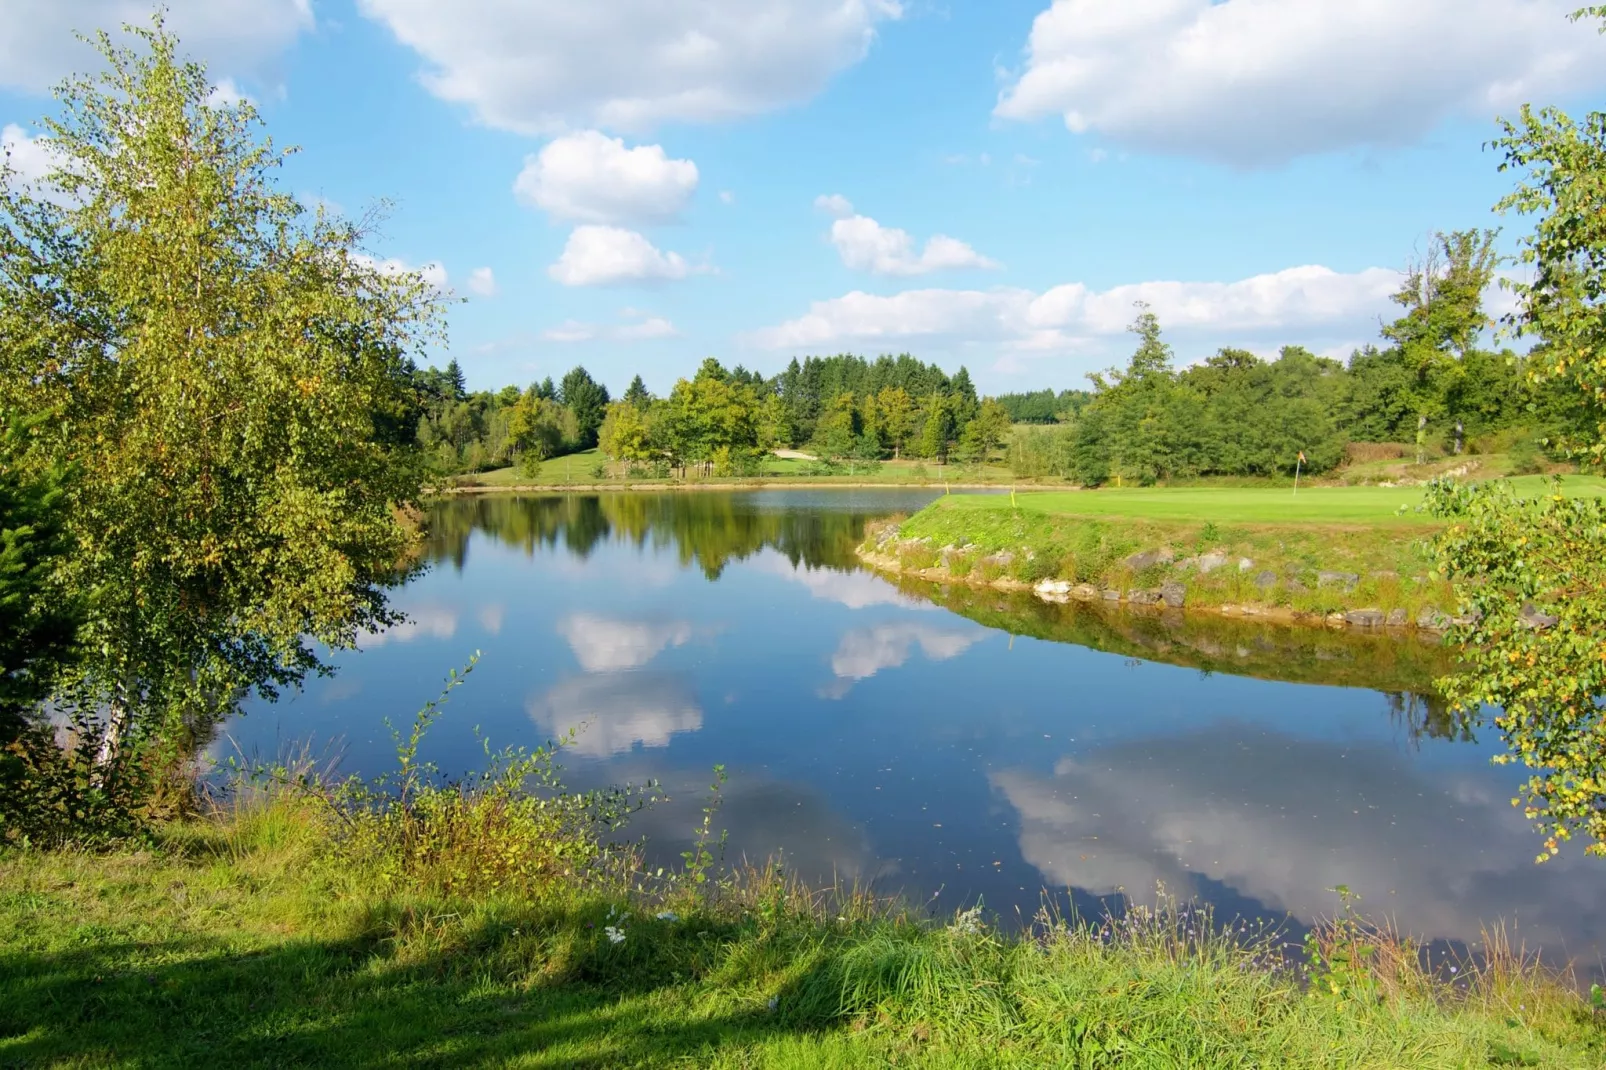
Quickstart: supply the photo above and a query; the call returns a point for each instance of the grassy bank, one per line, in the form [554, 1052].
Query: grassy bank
[245, 940]
[1326, 551]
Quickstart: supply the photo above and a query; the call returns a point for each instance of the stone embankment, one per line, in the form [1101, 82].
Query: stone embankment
[1274, 595]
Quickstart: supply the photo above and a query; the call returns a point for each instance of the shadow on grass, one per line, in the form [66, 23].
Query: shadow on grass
[550, 995]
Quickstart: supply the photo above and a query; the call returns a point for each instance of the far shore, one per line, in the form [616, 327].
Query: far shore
[755, 484]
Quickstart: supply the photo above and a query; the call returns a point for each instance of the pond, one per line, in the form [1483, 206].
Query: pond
[949, 745]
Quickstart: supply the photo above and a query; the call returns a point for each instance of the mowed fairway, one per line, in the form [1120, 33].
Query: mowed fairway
[1255, 505]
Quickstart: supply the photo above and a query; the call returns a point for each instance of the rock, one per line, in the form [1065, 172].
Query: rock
[1174, 595]
[1266, 580]
[1336, 618]
[1085, 592]
[1532, 618]
[1149, 558]
[1365, 618]
[1053, 591]
[1294, 585]
[1432, 620]
[1112, 595]
[1244, 564]
[1211, 561]
[1144, 598]
[1346, 580]
[1398, 618]
[999, 561]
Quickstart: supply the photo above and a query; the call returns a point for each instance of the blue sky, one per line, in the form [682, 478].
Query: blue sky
[636, 184]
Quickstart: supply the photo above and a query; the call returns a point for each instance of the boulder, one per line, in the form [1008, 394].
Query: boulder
[1085, 592]
[1266, 580]
[1532, 618]
[1211, 561]
[1244, 564]
[1149, 558]
[1432, 620]
[1053, 591]
[1398, 618]
[1365, 618]
[1346, 580]
[1174, 595]
[1144, 598]
[1110, 594]
[1000, 561]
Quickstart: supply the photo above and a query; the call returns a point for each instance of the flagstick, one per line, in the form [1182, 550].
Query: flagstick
[1297, 467]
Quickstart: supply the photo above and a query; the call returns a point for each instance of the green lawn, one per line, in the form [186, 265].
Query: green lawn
[1252, 505]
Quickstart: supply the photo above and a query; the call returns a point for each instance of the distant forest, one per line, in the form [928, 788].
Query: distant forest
[1428, 385]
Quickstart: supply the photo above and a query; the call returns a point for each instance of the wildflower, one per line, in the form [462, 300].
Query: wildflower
[775, 1001]
[968, 922]
[614, 934]
[668, 915]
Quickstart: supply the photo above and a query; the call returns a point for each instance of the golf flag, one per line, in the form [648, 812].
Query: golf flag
[1301, 456]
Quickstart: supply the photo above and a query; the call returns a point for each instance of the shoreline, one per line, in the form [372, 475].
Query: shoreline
[1062, 592]
[757, 484]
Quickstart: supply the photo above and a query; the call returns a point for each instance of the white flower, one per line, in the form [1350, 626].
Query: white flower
[968, 922]
[668, 915]
[614, 934]
[775, 1001]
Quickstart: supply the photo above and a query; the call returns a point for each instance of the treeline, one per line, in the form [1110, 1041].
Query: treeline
[842, 408]
[1044, 406]
[1430, 387]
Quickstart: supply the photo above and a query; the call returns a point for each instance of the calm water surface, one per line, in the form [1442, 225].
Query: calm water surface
[948, 745]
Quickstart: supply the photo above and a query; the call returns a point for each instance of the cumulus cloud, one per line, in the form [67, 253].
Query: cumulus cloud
[38, 49]
[611, 713]
[423, 622]
[609, 644]
[28, 157]
[1258, 82]
[1072, 316]
[592, 178]
[433, 271]
[865, 652]
[226, 94]
[645, 329]
[866, 245]
[536, 66]
[1282, 820]
[604, 256]
[482, 282]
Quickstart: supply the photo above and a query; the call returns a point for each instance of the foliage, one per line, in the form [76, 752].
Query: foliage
[508, 827]
[1531, 571]
[230, 382]
[40, 625]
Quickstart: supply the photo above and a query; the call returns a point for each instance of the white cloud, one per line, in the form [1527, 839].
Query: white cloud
[727, 197]
[834, 205]
[611, 713]
[536, 66]
[867, 651]
[423, 622]
[1257, 82]
[647, 329]
[482, 282]
[1282, 820]
[602, 256]
[866, 245]
[606, 644]
[28, 157]
[592, 178]
[433, 271]
[1070, 317]
[38, 49]
[226, 94]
